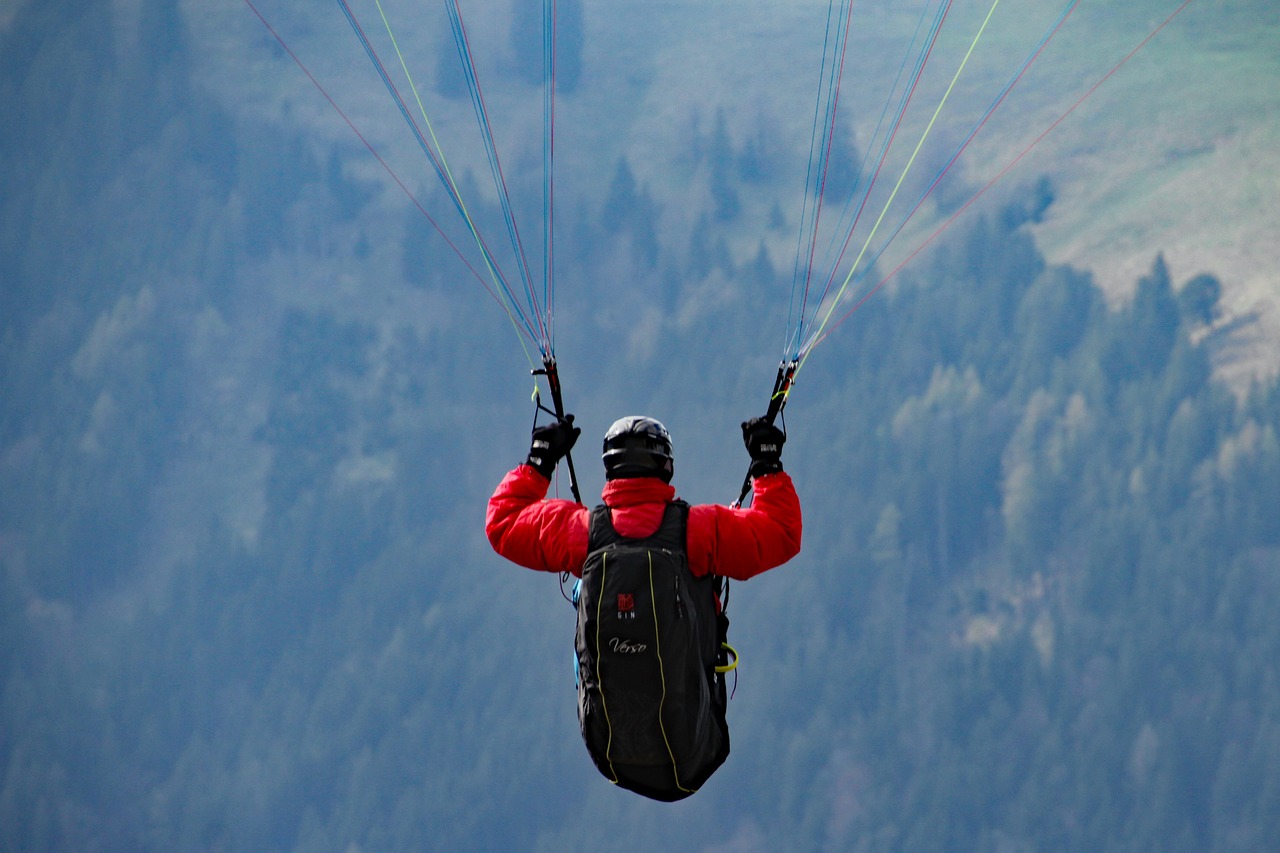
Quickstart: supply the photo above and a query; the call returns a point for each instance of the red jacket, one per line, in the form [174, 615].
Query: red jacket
[551, 535]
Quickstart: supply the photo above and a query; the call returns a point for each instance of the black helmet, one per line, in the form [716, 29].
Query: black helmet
[637, 446]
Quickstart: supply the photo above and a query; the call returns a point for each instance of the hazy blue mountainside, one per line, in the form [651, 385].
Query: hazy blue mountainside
[252, 412]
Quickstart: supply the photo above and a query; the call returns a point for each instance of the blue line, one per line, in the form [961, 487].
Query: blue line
[495, 168]
[513, 307]
[991, 108]
[883, 153]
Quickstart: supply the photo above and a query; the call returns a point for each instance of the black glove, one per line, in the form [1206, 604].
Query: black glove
[551, 443]
[764, 442]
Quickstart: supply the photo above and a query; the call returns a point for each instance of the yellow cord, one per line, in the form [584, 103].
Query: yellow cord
[453, 186]
[662, 701]
[604, 708]
[730, 667]
[901, 178]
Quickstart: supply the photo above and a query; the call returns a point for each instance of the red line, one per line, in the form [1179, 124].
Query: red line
[973, 135]
[887, 148]
[372, 150]
[1003, 171]
[487, 127]
[436, 160]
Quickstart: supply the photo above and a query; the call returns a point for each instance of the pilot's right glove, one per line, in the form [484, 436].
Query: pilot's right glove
[764, 442]
[551, 443]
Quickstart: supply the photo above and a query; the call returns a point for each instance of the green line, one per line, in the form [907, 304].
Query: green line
[453, 186]
[884, 211]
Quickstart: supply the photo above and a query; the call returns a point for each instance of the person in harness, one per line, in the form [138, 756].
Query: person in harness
[651, 631]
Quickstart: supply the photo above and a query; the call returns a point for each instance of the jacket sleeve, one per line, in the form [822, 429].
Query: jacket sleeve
[527, 529]
[742, 543]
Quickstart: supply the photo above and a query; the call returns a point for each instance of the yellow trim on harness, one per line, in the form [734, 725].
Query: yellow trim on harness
[662, 674]
[729, 667]
[604, 568]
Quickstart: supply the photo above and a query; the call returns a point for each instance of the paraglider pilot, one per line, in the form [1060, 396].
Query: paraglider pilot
[651, 643]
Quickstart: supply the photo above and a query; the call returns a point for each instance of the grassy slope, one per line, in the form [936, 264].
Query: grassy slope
[1189, 164]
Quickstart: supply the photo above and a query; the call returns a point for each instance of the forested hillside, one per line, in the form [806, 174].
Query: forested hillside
[252, 410]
